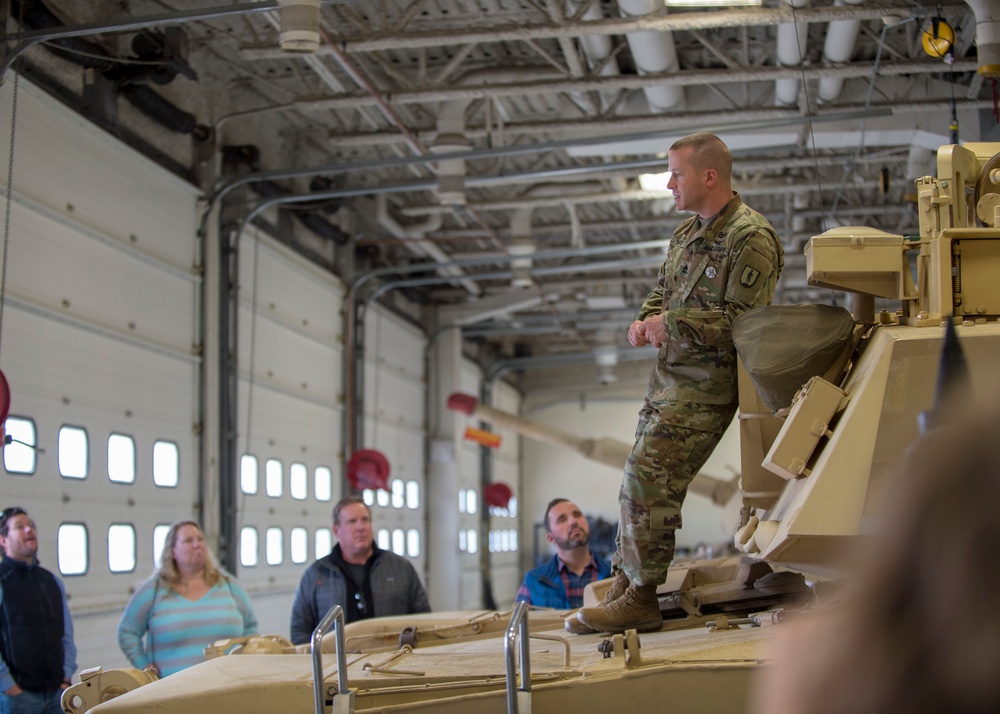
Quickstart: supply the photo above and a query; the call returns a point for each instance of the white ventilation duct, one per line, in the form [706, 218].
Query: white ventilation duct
[597, 48]
[299, 31]
[451, 137]
[522, 240]
[800, 202]
[412, 231]
[838, 48]
[414, 236]
[451, 127]
[987, 36]
[654, 53]
[792, 37]
[522, 245]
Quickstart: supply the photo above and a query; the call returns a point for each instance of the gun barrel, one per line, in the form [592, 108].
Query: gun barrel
[610, 452]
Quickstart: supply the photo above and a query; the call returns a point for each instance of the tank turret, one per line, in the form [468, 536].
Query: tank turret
[842, 435]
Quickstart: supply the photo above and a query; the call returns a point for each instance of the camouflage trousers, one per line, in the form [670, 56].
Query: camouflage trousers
[672, 442]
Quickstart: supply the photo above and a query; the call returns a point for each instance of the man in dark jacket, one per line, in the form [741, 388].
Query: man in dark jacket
[37, 653]
[360, 577]
[560, 582]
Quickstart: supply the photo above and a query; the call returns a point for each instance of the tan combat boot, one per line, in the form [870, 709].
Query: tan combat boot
[575, 626]
[637, 609]
[617, 589]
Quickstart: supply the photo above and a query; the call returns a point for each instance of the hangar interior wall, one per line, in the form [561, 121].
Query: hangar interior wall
[101, 345]
[99, 338]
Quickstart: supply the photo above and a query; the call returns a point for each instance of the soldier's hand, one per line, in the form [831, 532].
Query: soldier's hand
[14, 691]
[654, 330]
[637, 334]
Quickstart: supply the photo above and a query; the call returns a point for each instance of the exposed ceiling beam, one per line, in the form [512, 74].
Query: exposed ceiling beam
[672, 22]
[691, 77]
[716, 121]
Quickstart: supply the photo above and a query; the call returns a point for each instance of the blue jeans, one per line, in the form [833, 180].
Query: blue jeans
[32, 703]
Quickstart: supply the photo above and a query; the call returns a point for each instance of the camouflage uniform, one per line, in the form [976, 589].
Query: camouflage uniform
[712, 274]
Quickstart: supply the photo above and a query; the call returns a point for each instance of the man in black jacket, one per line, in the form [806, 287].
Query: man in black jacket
[358, 575]
[37, 653]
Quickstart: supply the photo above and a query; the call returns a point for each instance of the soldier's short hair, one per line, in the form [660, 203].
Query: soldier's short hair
[708, 152]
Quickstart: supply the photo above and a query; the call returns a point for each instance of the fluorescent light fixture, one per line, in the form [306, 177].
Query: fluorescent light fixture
[711, 3]
[654, 182]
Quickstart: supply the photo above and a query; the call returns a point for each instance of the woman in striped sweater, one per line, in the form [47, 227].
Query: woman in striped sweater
[185, 606]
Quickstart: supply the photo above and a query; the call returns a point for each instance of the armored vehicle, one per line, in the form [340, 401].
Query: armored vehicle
[816, 457]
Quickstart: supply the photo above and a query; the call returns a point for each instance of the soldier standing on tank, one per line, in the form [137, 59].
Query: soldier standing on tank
[721, 262]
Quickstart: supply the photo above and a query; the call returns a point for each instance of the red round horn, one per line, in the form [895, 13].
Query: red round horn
[368, 469]
[4, 408]
[498, 494]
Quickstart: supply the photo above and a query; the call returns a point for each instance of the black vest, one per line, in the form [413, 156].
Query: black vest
[31, 626]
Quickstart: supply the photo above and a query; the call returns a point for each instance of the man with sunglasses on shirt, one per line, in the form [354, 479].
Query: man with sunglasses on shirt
[37, 653]
[358, 575]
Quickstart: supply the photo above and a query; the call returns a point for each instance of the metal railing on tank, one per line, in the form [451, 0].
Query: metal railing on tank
[518, 697]
[343, 700]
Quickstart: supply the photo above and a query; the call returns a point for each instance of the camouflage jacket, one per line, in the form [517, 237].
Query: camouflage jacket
[711, 275]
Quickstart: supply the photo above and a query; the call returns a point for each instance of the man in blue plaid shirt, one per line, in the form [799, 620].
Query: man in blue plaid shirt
[560, 582]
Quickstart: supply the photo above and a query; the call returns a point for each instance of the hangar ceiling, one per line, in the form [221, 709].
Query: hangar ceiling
[480, 159]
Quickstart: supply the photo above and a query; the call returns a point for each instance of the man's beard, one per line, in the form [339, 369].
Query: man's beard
[576, 539]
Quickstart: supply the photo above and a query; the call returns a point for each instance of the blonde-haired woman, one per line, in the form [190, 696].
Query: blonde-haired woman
[186, 605]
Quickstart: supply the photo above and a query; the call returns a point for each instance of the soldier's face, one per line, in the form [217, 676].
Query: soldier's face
[21, 541]
[568, 527]
[687, 184]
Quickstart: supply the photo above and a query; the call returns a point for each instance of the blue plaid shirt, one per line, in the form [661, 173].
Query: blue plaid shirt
[555, 585]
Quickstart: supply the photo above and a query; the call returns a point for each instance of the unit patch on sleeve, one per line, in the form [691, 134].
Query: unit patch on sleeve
[749, 276]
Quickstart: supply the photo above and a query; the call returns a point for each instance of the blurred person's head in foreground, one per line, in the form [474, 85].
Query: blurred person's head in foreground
[922, 631]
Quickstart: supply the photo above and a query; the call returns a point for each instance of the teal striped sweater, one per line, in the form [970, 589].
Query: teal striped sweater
[177, 630]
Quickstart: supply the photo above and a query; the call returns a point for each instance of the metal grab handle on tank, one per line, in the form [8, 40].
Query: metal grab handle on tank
[343, 701]
[518, 696]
